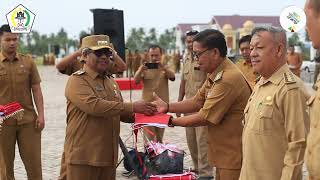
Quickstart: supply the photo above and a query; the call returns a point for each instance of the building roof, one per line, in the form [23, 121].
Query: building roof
[184, 27]
[237, 21]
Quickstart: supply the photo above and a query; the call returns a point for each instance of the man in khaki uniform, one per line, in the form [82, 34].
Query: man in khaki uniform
[312, 155]
[191, 81]
[19, 78]
[136, 61]
[154, 81]
[73, 62]
[274, 136]
[294, 61]
[129, 62]
[244, 64]
[94, 110]
[220, 103]
[176, 61]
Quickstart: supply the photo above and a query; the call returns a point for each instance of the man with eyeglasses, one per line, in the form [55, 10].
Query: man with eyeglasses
[191, 81]
[244, 64]
[275, 124]
[312, 155]
[219, 104]
[94, 110]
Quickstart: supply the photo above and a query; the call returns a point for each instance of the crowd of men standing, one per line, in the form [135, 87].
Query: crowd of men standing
[253, 120]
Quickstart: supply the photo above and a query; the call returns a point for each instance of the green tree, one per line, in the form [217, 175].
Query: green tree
[294, 40]
[139, 40]
[167, 40]
[135, 39]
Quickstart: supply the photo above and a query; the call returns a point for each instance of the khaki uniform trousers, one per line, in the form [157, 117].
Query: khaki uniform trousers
[157, 136]
[198, 147]
[86, 172]
[227, 174]
[29, 143]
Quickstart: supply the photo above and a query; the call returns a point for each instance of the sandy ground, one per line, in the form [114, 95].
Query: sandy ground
[53, 85]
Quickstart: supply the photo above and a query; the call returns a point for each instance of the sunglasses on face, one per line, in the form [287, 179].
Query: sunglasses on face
[101, 52]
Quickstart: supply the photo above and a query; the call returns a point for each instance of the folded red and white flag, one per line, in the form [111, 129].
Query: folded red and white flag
[13, 109]
[158, 120]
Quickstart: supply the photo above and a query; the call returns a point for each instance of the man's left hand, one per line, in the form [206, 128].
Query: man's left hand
[40, 123]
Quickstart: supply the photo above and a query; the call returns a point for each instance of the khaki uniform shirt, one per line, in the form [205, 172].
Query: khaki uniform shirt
[312, 155]
[155, 80]
[194, 78]
[16, 80]
[77, 65]
[94, 109]
[248, 72]
[224, 96]
[274, 136]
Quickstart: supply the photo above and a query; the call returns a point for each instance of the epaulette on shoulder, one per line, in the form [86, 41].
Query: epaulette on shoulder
[289, 78]
[24, 55]
[218, 76]
[257, 79]
[79, 72]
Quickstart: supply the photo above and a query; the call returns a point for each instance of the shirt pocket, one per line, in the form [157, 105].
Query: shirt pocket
[185, 74]
[22, 75]
[263, 123]
[149, 75]
[198, 76]
[3, 76]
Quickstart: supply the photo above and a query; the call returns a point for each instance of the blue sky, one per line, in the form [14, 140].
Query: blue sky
[75, 16]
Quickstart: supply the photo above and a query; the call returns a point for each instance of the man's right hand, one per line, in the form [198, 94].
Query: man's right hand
[143, 107]
[143, 68]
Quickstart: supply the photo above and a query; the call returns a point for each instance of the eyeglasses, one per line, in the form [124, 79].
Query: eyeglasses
[101, 52]
[196, 56]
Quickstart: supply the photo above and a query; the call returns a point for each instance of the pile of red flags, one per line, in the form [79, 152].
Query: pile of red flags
[13, 109]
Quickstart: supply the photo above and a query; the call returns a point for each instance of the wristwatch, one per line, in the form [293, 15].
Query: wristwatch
[170, 122]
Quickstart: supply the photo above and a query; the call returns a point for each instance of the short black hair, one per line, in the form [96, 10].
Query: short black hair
[243, 39]
[4, 28]
[192, 33]
[154, 46]
[211, 39]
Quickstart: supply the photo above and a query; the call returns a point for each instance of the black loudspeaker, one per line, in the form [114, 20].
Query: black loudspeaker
[110, 22]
